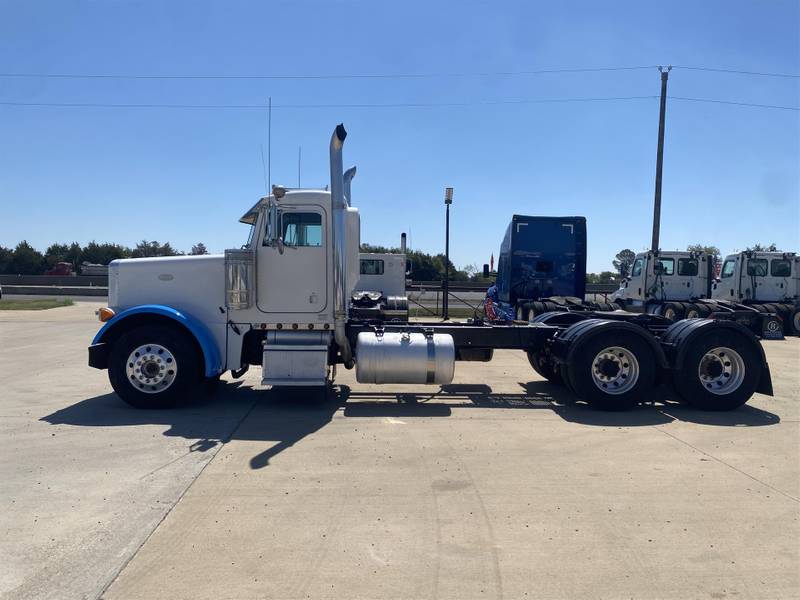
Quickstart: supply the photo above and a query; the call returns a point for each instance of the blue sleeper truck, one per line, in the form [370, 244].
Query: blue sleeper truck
[542, 265]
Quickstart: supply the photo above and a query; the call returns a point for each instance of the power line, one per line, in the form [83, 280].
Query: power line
[749, 104]
[313, 106]
[329, 76]
[737, 71]
[390, 105]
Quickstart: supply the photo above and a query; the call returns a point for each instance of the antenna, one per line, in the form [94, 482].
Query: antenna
[269, 146]
[299, 159]
[264, 170]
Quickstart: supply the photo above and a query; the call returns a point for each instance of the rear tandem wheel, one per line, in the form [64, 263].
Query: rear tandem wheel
[720, 370]
[612, 369]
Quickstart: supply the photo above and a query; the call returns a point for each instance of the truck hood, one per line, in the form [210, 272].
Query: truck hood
[185, 282]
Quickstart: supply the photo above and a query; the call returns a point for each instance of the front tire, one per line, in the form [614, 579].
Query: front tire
[155, 367]
[794, 322]
[672, 311]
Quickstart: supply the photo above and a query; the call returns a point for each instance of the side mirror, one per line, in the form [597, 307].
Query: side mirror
[273, 225]
[280, 245]
[409, 266]
[485, 271]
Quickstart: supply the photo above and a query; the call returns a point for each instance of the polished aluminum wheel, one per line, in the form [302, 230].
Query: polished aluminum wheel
[151, 368]
[670, 313]
[692, 313]
[721, 370]
[615, 370]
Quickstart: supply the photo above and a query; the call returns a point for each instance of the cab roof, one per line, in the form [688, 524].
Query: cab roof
[294, 194]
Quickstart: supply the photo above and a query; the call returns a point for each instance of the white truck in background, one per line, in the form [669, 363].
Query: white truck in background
[380, 292]
[767, 281]
[282, 302]
[759, 288]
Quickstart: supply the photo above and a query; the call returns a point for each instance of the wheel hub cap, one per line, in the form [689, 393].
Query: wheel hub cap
[721, 370]
[615, 370]
[151, 368]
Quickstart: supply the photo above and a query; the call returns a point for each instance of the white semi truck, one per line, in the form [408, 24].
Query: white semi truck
[282, 303]
[380, 292]
[761, 289]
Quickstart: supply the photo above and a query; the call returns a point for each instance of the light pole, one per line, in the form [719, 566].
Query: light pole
[448, 200]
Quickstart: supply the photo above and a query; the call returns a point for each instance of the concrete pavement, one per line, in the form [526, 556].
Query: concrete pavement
[497, 486]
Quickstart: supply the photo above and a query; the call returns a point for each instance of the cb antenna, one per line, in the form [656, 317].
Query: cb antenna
[299, 158]
[264, 170]
[269, 146]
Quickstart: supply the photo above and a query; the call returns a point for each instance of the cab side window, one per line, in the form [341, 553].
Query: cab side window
[780, 267]
[757, 267]
[728, 268]
[687, 267]
[637, 267]
[302, 229]
[666, 266]
[371, 266]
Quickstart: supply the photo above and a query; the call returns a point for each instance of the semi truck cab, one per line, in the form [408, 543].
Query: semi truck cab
[758, 277]
[666, 276]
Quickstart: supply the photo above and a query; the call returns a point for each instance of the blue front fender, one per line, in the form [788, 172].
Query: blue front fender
[211, 354]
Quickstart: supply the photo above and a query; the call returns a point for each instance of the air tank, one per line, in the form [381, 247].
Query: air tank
[404, 357]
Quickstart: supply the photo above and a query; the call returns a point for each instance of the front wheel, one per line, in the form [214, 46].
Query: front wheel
[154, 367]
[795, 322]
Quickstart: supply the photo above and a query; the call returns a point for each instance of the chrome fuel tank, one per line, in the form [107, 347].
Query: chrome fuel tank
[404, 357]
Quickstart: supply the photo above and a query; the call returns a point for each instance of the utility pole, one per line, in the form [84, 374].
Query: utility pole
[660, 157]
[448, 200]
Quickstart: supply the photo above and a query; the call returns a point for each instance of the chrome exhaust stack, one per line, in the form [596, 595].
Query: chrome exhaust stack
[339, 186]
[348, 177]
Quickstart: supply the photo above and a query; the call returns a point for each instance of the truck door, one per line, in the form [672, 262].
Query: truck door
[688, 282]
[754, 279]
[292, 272]
[725, 288]
[635, 286]
[661, 278]
[780, 279]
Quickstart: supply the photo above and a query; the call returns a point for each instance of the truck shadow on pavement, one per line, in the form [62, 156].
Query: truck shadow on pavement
[286, 416]
[663, 406]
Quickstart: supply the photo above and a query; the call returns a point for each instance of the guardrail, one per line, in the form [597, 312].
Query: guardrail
[55, 280]
[97, 285]
[472, 286]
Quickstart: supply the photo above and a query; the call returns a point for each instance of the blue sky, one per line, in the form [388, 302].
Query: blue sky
[186, 175]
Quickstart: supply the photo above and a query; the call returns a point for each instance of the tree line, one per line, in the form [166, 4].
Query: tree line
[24, 259]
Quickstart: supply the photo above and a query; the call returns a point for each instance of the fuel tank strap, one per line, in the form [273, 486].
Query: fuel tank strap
[431, 364]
